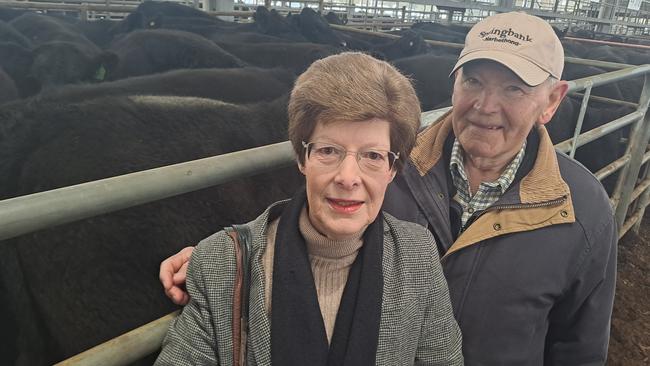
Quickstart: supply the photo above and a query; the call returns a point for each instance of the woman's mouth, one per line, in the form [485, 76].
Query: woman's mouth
[344, 206]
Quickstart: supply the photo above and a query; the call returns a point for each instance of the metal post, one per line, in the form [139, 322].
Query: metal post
[636, 148]
[581, 118]
[643, 200]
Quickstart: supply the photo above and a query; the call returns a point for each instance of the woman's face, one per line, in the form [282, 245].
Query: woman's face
[344, 199]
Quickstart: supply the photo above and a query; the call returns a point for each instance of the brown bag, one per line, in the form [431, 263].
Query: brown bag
[240, 235]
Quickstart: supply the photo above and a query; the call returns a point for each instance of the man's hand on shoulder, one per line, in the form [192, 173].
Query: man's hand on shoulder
[172, 276]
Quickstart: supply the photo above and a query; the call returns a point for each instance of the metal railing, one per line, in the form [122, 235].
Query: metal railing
[45, 209]
[37, 211]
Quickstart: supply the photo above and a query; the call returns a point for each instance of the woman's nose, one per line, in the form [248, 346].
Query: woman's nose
[348, 174]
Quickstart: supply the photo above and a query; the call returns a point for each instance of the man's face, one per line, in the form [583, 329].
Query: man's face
[494, 110]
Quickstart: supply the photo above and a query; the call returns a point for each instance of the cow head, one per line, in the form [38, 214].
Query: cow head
[316, 29]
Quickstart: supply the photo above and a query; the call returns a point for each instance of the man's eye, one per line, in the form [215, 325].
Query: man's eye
[514, 89]
[471, 81]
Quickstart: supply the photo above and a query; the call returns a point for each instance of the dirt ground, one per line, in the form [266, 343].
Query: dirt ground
[629, 344]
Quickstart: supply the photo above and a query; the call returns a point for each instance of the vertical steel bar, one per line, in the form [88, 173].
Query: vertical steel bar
[636, 148]
[642, 202]
[581, 118]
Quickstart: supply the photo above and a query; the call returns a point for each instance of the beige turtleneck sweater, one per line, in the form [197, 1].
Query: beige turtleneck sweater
[330, 264]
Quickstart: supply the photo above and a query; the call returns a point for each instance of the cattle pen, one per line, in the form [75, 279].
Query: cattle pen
[37, 211]
[27, 214]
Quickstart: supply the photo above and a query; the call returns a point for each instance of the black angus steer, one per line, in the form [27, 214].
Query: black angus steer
[152, 51]
[430, 75]
[16, 61]
[239, 85]
[409, 44]
[68, 288]
[41, 29]
[294, 56]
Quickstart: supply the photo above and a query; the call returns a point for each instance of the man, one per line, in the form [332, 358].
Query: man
[527, 234]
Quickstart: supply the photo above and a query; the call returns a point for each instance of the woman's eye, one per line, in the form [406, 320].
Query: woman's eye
[373, 155]
[326, 150]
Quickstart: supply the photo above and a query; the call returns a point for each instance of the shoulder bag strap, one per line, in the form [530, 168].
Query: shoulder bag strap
[241, 237]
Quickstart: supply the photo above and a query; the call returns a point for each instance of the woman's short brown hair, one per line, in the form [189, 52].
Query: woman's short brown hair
[354, 87]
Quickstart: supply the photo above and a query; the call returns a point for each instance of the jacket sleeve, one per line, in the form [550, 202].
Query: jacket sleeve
[579, 323]
[192, 338]
[440, 338]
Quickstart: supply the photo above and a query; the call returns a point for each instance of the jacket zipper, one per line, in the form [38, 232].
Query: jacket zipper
[556, 201]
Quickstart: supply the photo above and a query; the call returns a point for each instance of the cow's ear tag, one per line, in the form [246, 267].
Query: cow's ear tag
[100, 75]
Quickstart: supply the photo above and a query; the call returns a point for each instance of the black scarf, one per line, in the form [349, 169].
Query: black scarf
[297, 331]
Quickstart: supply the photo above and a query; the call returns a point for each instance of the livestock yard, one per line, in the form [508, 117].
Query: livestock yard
[130, 130]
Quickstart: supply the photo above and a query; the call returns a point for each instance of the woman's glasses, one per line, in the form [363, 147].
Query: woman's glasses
[328, 155]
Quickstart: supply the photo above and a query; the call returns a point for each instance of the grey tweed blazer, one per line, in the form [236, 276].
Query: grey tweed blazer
[417, 324]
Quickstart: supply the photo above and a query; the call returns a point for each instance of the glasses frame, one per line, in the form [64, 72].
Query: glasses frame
[391, 165]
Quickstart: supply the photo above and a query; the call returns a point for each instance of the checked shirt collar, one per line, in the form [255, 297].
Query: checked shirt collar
[488, 192]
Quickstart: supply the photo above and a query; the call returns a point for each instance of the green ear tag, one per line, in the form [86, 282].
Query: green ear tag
[100, 75]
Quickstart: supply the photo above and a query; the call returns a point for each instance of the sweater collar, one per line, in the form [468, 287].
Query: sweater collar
[321, 246]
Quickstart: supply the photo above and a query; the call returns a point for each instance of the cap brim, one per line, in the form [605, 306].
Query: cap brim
[527, 71]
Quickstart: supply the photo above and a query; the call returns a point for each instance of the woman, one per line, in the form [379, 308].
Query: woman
[333, 280]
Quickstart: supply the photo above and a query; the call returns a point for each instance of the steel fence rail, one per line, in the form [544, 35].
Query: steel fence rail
[126, 348]
[37, 211]
[591, 135]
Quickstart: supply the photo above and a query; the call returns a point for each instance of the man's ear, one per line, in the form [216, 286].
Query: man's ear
[301, 167]
[555, 96]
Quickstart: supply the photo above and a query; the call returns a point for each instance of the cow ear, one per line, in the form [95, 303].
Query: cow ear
[555, 96]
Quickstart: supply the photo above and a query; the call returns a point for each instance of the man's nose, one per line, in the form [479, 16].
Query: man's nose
[487, 101]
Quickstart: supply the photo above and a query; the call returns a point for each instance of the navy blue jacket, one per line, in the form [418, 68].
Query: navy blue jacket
[531, 278]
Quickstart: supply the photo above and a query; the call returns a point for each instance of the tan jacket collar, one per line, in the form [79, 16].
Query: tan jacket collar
[543, 183]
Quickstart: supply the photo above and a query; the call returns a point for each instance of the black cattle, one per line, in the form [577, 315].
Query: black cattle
[40, 29]
[293, 56]
[152, 51]
[409, 44]
[332, 18]
[10, 35]
[440, 32]
[316, 29]
[274, 24]
[58, 63]
[240, 85]
[244, 37]
[596, 154]
[52, 64]
[430, 74]
[574, 48]
[16, 62]
[8, 90]
[576, 71]
[149, 13]
[68, 288]
[100, 31]
[606, 53]
[581, 33]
